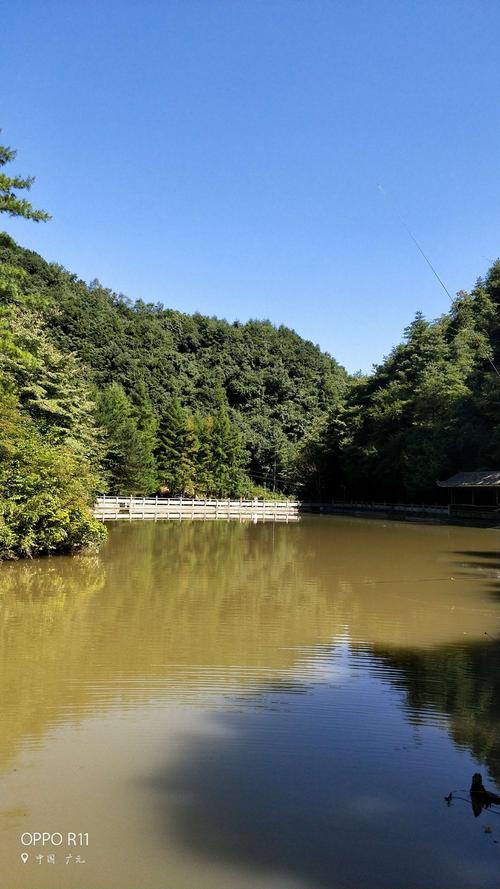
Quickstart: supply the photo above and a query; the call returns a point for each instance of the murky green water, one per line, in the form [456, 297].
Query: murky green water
[226, 706]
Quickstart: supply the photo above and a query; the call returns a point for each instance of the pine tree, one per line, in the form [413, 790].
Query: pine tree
[228, 456]
[128, 462]
[143, 413]
[205, 484]
[9, 201]
[170, 446]
[189, 456]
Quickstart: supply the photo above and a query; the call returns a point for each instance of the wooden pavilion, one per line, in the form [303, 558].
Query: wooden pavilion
[474, 492]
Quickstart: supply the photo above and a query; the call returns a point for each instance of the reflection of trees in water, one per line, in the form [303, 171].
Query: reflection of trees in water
[316, 801]
[50, 581]
[172, 601]
[162, 598]
[44, 608]
[293, 808]
[157, 599]
[462, 682]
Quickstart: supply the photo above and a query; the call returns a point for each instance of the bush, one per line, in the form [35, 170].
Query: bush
[46, 491]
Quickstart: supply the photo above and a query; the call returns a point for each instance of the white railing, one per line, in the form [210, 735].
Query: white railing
[118, 507]
[115, 508]
[369, 506]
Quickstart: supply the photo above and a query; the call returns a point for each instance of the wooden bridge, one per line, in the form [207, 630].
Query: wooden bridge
[109, 509]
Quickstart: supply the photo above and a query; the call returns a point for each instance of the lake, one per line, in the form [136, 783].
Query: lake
[231, 706]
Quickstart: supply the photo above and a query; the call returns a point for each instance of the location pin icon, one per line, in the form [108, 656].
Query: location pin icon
[24, 857]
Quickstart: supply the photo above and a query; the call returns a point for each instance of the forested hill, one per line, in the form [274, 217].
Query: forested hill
[272, 383]
[430, 409]
[98, 394]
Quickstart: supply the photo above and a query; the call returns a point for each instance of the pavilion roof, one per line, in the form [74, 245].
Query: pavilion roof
[481, 478]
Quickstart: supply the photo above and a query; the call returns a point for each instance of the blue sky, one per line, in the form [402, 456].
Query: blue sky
[223, 156]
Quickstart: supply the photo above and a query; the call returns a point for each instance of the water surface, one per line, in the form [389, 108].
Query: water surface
[223, 706]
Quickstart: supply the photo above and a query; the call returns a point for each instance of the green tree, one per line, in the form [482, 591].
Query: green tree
[274, 384]
[177, 452]
[128, 461]
[9, 201]
[188, 464]
[205, 484]
[318, 474]
[51, 385]
[143, 413]
[429, 409]
[228, 455]
[48, 440]
[170, 446]
[46, 490]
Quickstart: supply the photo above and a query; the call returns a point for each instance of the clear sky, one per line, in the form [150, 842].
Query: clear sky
[223, 156]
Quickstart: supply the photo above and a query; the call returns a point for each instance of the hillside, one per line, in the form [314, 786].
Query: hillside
[275, 383]
[428, 410]
[152, 399]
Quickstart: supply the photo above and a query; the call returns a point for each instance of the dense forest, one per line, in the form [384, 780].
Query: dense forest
[430, 409]
[103, 395]
[100, 394]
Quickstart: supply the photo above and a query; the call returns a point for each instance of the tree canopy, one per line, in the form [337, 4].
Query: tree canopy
[268, 382]
[428, 410]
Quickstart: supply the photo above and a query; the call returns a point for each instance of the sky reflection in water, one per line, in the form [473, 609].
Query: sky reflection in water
[237, 705]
